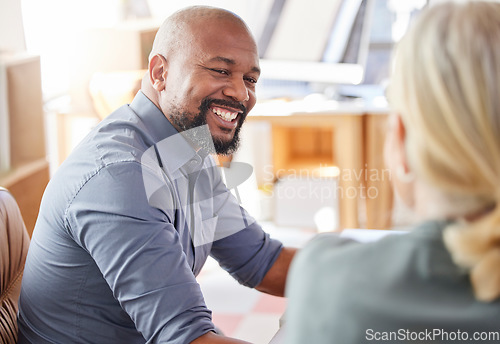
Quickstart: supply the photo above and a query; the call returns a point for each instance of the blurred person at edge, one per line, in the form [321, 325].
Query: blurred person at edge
[443, 148]
[129, 219]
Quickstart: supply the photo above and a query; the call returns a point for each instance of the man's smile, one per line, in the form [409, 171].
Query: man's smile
[224, 119]
[225, 114]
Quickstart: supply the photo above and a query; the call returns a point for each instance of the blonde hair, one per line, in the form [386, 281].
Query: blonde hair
[446, 86]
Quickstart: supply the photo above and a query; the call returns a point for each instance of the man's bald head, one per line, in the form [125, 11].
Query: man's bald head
[175, 34]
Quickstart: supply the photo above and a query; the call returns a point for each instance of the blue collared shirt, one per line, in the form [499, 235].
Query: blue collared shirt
[125, 225]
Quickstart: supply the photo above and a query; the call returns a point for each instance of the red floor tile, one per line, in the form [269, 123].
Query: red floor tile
[227, 323]
[270, 304]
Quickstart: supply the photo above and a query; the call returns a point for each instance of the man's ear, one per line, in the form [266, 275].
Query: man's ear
[158, 72]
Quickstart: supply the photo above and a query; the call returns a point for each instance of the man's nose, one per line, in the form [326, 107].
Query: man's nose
[237, 90]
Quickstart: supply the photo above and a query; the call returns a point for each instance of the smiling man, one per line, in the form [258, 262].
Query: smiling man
[129, 219]
[204, 67]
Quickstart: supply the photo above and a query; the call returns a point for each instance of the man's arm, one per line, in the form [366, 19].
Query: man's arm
[135, 242]
[275, 279]
[273, 283]
[212, 338]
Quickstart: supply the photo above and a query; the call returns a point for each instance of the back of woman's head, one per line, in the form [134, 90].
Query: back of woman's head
[446, 86]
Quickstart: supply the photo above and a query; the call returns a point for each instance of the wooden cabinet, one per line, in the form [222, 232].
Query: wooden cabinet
[24, 170]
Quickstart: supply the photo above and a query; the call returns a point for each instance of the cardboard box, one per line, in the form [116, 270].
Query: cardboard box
[307, 202]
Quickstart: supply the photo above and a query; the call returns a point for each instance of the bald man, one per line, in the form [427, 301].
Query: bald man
[129, 219]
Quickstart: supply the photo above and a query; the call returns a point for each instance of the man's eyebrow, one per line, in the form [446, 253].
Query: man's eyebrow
[231, 62]
[223, 59]
[256, 70]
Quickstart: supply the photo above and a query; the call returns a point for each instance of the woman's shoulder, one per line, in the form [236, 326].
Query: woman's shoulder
[340, 289]
[333, 251]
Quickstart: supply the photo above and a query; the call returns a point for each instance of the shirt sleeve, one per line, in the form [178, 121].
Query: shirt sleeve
[140, 255]
[244, 249]
[247, 255]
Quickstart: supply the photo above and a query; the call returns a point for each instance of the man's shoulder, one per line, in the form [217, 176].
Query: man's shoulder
[116, 148]
[122, 136]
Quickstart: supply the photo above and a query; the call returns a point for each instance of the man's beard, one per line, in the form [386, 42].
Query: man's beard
[187, 120]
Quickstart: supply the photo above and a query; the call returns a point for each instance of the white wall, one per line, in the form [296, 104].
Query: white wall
[11, 26]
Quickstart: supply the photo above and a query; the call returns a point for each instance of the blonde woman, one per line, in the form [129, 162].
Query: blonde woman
[440, 282]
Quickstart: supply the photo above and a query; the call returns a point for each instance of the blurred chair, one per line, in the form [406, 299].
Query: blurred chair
[14, 243]
[111, 90]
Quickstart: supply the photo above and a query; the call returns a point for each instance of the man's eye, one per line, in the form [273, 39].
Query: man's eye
[251, 80]
[220, 71]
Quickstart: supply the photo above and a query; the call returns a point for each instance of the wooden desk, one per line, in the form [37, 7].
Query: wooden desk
[354, 139]
[347, 135]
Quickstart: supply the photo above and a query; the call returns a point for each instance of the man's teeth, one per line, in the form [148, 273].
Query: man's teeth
[225, 115]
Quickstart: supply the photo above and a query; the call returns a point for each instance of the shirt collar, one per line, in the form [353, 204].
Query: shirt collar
[172, 148]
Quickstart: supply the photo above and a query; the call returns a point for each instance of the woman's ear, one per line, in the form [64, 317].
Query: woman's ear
[396, 159]
[400, 137]
[158, 72]
[393, 142]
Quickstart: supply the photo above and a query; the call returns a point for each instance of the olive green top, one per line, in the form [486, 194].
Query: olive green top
[402, 288]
